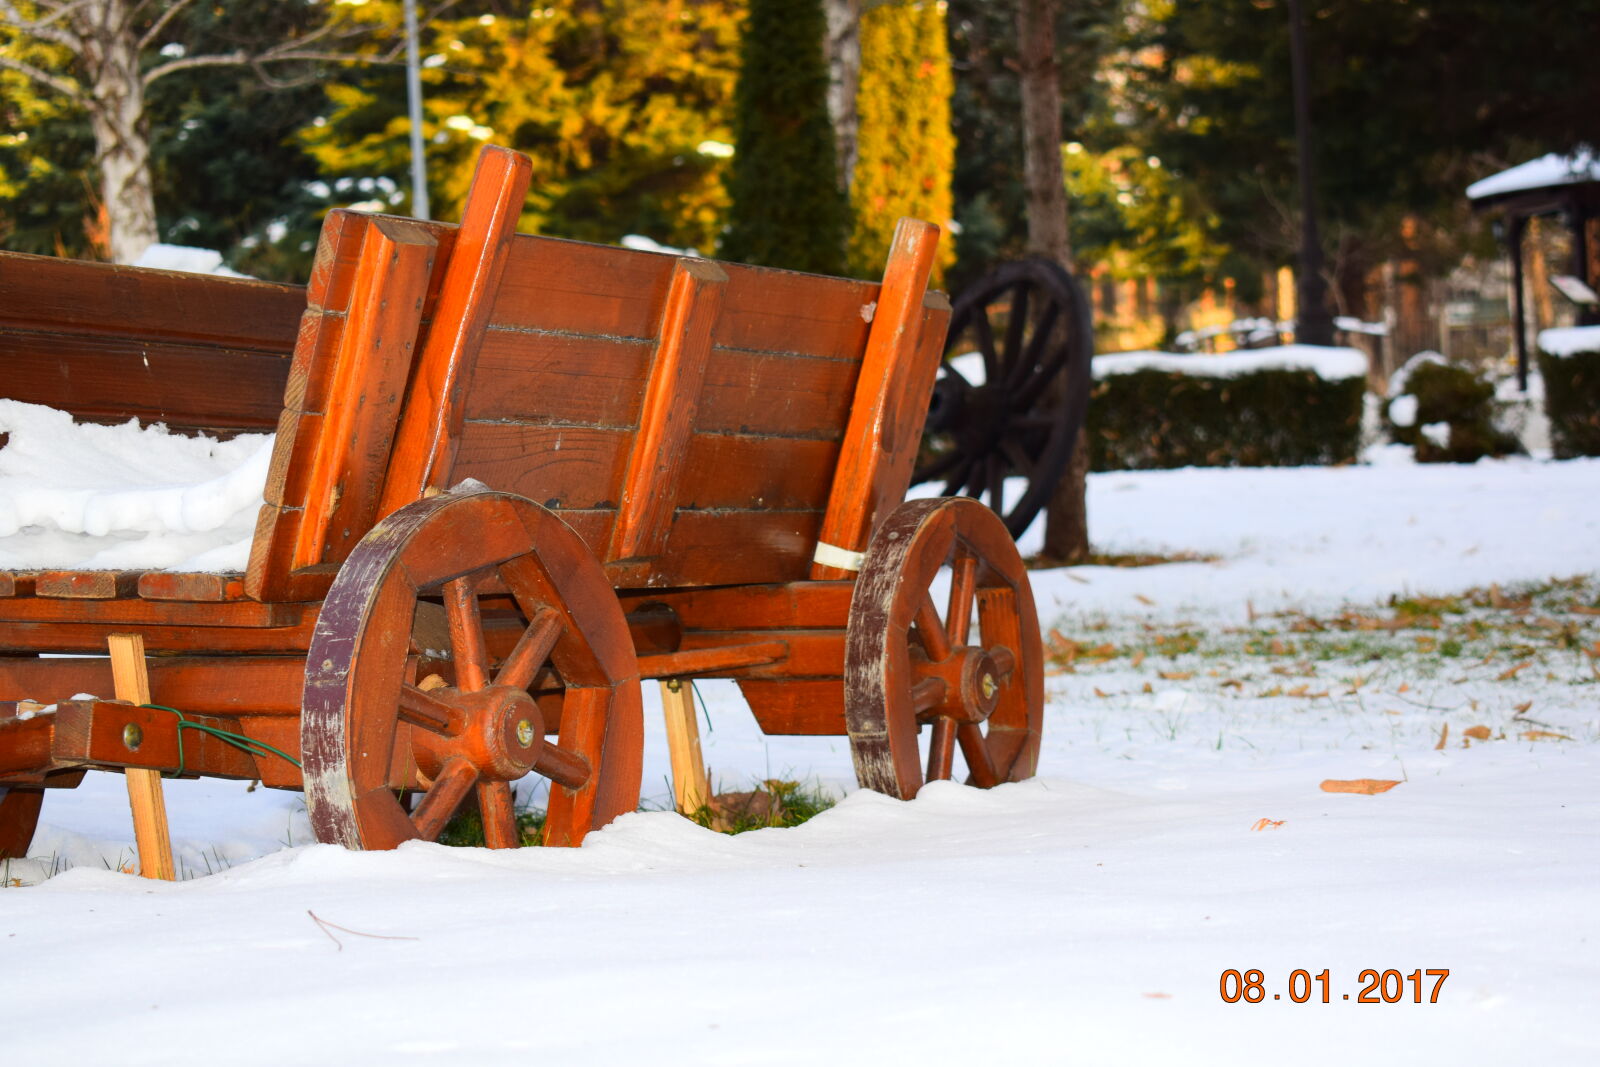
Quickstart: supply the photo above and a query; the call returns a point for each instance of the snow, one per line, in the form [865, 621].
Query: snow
[124, 497]
[1403, 410]
[1083, 916]
[1332, 364]
[187, 260]
[1570, 340]
[1541, 173]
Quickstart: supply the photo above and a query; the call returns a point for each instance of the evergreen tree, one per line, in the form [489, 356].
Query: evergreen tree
[905, 146]
[623, 108]
[787, 210]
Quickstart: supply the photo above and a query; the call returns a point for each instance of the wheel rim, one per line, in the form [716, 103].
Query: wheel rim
[1031, 323]
[387, 713]
[19, 816]
[909, 664]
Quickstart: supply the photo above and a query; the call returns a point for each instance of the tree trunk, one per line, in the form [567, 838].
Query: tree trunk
[843, 48]
[110, 58]
[1066, 533]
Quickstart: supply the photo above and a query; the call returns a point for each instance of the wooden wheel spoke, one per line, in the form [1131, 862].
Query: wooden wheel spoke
[562, 767]
[958, 479]
[1037, 346]
[928, 694]
[1017, 323]
[421, 708]
[941, 749]
[1017, 455]
[497, 804]
[1005, 661]
[984, 333]
[931, 631]
[975, 750]
[963, 589]
[450, 788]
[531, 651]
[996, 481]
[466, 633]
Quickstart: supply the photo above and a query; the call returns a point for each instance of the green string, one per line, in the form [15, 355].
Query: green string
[251, 745]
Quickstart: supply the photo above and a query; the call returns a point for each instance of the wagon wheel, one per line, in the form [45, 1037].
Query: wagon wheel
[1019, 410]
[370, 732]
[907, 665]
[19, 815]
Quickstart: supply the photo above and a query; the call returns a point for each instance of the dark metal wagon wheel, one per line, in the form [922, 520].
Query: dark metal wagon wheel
[909, 665]
[1031, 324]
[19, 815]
[374, 728]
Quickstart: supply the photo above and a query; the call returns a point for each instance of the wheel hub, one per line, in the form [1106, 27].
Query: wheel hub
[972, 682]
[499, 730]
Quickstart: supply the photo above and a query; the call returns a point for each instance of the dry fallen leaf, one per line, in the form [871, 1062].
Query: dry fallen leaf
[1138, 658]
[1141, 598]
[1365, 786]
[1511, 672]
[1444, 735]
[1404, 686]
[1231, 683]
[1267, 824]
[1098, 693]
[1157, 996]
[1543, 735]
[1148, 688]
[1522, 708]
[1477, 733]
[1176, 676]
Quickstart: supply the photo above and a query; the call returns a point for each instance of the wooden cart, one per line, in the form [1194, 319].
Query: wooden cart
[513, 476]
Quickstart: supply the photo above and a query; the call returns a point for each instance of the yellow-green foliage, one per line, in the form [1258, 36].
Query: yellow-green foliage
[611, 99]
[905, 147]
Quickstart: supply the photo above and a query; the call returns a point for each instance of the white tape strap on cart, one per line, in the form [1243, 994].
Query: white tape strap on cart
[834, 556]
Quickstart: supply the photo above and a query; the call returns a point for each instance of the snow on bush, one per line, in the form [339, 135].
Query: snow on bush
[1569, 363]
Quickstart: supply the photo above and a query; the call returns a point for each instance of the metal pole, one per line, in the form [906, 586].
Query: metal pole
[419, 164]
[1315, 326]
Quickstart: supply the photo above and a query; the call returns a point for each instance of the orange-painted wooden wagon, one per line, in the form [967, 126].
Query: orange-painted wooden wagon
[513, 476]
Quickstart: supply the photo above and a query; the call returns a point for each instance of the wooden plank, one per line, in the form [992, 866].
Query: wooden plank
[797, 706]
[100, 378]
[192, 586]
[52, 294]
[435, 406]
[369, 376]
[804, 653]
[715, 660]
[884, 418]
[17, 583]
[581, 467]
[97, 733]
[86, 585]
[134, 613]
[691, 789]
[655, 468]
[797, 605]
[221, 685]
[144, 786]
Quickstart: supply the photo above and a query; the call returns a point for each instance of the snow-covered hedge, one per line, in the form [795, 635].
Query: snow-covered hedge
[1569, 360]
[1269, 407]
[1446, 411]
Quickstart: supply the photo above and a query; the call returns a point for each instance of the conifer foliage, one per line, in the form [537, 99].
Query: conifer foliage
[905, 146]
[787, 210]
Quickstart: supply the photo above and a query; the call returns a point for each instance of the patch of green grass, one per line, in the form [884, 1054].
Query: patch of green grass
[786, 804]
[465, 829]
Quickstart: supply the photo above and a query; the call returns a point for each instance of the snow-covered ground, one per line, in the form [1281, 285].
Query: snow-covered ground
[1176, 831]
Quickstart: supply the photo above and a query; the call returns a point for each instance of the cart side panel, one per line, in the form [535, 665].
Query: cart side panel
[573, 347]
[108, 343]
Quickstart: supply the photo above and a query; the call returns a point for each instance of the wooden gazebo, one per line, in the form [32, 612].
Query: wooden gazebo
[1563, 185]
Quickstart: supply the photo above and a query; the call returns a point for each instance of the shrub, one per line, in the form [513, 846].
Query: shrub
[1445, 411]
[1570, 366]
[1273, 417]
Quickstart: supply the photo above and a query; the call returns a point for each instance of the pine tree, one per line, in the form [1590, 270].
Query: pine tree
[787, 210]
[905, 146]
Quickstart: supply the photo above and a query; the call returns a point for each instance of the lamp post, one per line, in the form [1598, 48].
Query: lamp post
[1315, 325]
[419, 164]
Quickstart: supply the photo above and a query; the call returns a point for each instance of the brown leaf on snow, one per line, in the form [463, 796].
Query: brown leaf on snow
[1477, 733]
[1404, 686]
[1267, 824]
[1543, 735]
[1098, 693]
[1444, 735]
[1365, 786]
[1141, 598]
[1176, 676]
[1138, 658]
[1231, 683]
[1511, 672]
[1522, 707]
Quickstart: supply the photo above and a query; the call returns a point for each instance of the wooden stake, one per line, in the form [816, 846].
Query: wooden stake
[690, 788]
[132, 684]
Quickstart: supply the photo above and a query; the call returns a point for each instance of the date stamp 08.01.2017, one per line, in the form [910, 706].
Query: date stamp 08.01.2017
[1376, 987]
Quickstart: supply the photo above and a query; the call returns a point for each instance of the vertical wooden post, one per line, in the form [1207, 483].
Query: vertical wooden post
[149, 806]
[690, 789]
